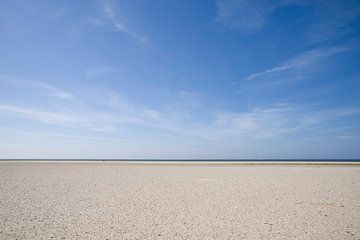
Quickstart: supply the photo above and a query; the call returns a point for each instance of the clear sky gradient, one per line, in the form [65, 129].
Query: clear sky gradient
[180, 79]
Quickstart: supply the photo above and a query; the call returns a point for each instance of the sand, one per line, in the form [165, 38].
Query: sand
[154, 201]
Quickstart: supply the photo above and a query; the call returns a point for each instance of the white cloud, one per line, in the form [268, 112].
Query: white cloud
[111, 13]
[105, 128]
[51, 90]
[187, 100]
[333, 20]
[47, 117]
[349, 137]
[269, 123]
[305, 61]
[96, 72]
[260, 123]
[268, 71]
[330, 20]
[59, 13]
[247, 15]
[244, 15]
[62, 95]
[101, 113]
[257, 123]
[54, 135]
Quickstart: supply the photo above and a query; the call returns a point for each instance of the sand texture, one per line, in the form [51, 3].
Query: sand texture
[135, 201]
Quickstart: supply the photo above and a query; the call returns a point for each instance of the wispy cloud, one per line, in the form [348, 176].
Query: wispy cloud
[226, 129]
[51, 90]
[246, 15]
[313, 118]
[304, 61]
[106, 111]
[96, 72]
[55, 135]
[48, 117]
[105, 128]
[349, 137]
[111, 13]
[59, 13]
[103, 113]
[273, 122]
[187, 100]
[330, 19]
[333, 19]
[72, 118]
[256, 123]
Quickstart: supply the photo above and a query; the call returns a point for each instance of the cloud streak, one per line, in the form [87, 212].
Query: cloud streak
[115, 112]
[330, 20]
[111, 13]
[102, 114]
[96, 72]
[257, 123]
[121, 121]
[47, 117]
[302, 62]
[51, 90]
[245, 15]
[334, 21]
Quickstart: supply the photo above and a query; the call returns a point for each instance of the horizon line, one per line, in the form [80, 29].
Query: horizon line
[189, 159]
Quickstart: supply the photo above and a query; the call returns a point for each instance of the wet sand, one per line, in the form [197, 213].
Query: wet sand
[178, 201]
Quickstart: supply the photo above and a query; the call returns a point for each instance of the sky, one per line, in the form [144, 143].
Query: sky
[182, 79]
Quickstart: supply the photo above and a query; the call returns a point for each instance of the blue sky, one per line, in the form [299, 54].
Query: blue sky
[179, 79]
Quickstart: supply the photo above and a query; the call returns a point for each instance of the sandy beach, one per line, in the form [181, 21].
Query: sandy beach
[178, 201]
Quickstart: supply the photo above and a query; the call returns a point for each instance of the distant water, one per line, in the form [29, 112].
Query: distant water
[193, 160]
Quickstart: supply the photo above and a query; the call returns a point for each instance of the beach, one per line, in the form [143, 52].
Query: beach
[102, 200]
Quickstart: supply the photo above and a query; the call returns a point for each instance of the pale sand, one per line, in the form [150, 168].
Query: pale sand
[155, 201]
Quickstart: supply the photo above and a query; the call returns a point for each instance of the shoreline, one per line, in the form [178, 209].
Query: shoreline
[193, 163]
